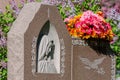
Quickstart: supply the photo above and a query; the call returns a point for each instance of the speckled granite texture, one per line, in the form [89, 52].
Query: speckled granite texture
[16, 41]
[27, 26]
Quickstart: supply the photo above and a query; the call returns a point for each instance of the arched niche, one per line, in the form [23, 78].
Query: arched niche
[48, 50]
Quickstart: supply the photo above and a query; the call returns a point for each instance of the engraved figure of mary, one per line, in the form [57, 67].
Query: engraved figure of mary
[46, 56]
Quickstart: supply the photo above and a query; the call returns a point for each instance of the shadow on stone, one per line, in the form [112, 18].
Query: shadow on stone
[101, 46]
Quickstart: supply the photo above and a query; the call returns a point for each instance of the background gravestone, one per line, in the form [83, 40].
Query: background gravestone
[25, 38]
[88, 64]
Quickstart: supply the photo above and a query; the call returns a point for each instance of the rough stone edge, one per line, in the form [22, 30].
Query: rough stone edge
[16, 41]
[26, 15]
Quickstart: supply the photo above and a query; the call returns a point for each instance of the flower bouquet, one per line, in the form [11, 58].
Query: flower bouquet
[92, 28]
[89, 25]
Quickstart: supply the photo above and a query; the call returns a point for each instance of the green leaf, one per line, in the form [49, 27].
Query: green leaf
[6, 29]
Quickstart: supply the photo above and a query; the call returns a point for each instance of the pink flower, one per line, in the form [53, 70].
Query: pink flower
[89, 31]
[66, 19]
[77, 24]
[97, 30]
[89, 15]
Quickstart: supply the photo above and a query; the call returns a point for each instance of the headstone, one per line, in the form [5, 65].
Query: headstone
[39, 46]
[89, 64]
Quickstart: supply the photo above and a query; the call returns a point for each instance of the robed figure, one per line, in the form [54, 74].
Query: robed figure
[46, 56]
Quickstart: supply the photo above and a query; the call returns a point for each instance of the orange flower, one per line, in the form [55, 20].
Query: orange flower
[71, 22]
[100, 13]
[102, 35]
[93, 35]
[79, 33]
[111, 35]
[86, 36]
[78, 16]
